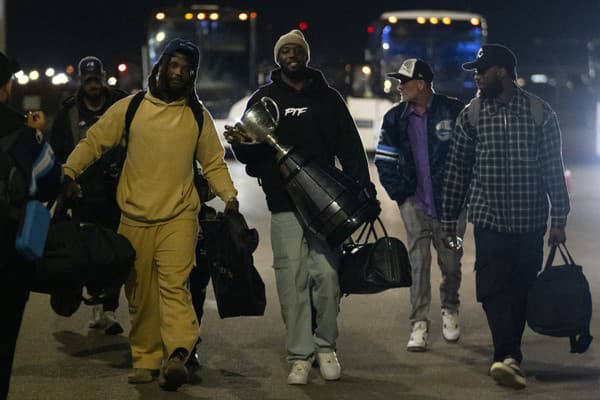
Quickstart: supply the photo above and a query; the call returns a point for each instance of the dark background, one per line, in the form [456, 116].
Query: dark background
[549, 37]
[58, 33]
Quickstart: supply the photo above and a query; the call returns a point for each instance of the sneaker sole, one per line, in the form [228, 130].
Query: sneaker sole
[416, 349]
[173, 379]
[296, 382]
[451, 340]
[331, 378]
[507, 378]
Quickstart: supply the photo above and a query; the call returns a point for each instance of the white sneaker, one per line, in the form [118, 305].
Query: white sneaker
[450, 324]
[418, 337]
[329, 365]
[508, 373]
[299, 373]
[97, 321]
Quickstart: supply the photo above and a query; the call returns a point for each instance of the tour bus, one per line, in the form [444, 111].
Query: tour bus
[444, 39]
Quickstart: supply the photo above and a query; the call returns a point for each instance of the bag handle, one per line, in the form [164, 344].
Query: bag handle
[369, 227]
[567, 258]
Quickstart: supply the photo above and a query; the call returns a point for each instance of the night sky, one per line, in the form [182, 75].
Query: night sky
[42, 33]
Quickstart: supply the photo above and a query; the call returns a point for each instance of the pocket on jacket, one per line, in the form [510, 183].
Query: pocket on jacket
[527, 149]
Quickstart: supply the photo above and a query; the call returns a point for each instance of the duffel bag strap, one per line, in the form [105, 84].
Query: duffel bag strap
[568, 259]
[385, 234]
[564, 252]
[369, 227]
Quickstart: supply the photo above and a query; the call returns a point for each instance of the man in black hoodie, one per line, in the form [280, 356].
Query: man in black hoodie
[315, 120]
[99, 182]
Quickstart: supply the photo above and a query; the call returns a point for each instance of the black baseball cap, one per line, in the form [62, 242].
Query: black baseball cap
[8, 67]
[413, 68]
[490, 55]
[90, 67]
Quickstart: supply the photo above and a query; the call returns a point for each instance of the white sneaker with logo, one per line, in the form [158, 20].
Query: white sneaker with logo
[299, 372]
[418, 337]
[450, 325]
[330, 367]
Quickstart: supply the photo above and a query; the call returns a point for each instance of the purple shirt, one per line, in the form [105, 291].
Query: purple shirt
[417, 135]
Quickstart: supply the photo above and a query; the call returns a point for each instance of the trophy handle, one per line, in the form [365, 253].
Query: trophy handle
[266, 101]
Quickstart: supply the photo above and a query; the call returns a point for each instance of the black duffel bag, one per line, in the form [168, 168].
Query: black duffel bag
[77, 256]
[228, 245]
[374, 267]
[559, 303]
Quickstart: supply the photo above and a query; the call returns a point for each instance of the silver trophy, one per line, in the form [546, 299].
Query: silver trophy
[329, 203]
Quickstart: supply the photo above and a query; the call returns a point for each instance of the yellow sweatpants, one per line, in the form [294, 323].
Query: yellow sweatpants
[160, 304]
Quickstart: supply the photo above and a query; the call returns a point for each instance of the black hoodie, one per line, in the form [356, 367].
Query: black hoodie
[317, 123]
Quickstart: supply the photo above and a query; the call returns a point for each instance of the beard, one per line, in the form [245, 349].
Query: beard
[168, 88]
[295, 75]
[492, 90]
[176, 89]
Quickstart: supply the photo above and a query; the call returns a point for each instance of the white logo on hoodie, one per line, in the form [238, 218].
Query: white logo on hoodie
[295, 112]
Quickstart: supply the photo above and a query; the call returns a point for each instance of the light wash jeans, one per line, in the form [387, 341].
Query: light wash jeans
[306, 273]
[421, 231]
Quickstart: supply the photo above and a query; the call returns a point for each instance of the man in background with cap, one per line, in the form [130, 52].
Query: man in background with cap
[506, 155]
[159, 207]
[410, 158]
[99, 182]
[316, 122]
[20, 139]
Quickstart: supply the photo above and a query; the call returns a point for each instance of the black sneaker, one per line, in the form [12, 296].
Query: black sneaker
[112, 326]
[193, 360]
[508, 373]
[174, 373]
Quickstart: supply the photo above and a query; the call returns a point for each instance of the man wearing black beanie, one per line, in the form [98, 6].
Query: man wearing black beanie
[316, 122]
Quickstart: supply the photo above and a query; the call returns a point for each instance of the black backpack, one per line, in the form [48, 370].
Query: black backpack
[204, 190]
[560, 303]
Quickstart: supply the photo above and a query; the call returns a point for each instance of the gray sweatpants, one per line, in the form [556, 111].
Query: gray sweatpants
[421, 232]
[305, 272]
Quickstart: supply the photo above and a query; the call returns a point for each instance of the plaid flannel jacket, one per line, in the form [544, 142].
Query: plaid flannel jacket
[507, 168]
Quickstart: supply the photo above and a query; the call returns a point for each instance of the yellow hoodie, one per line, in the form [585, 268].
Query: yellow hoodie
[156, 183]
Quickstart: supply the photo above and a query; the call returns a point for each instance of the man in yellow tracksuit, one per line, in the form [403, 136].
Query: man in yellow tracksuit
[159, 205]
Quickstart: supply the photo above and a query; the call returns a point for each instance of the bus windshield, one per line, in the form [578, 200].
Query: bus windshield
[224, 74]
[445, 47]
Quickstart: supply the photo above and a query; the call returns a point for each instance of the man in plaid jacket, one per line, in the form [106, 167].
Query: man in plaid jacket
[505, 161]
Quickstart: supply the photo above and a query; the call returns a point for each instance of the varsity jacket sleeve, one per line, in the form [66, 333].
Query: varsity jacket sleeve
[105, 134]
[61, 138]
[211, 154]
[350, 150]
[386, 157]
[459, 165]
[553, 169]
